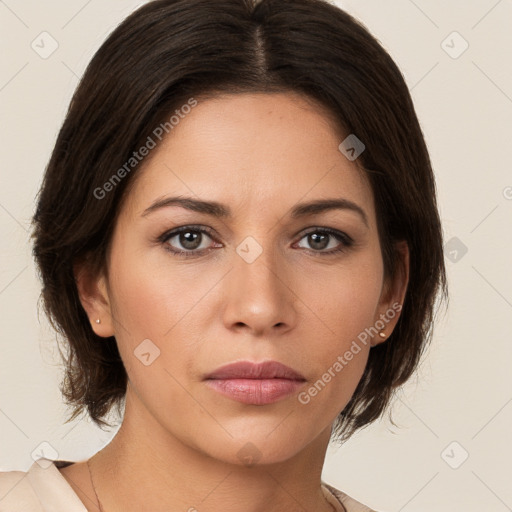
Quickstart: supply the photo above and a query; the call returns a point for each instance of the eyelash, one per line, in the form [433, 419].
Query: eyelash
[346, 241]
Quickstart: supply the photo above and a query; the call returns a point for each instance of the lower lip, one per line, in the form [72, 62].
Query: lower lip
[255, 391]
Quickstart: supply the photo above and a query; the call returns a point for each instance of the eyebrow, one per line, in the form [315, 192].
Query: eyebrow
[219, 210]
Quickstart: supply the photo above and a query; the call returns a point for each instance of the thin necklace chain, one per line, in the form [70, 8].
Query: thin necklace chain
[94, 487]
[101, 507]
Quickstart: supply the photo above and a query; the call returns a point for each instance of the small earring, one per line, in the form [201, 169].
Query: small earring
[382, 335]
[98, 321]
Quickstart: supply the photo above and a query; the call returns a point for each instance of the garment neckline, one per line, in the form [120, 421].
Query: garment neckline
[60, 496]
[332, 498]
[56, 465]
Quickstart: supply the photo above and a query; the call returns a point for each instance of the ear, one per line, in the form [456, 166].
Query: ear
[94, 297]
[392, 296]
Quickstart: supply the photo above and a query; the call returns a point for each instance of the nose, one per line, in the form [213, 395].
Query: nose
[259, 295]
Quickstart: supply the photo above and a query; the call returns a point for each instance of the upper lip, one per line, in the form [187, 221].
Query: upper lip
[250, 370]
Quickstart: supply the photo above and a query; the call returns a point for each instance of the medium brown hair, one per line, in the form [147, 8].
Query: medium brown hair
[171, 50]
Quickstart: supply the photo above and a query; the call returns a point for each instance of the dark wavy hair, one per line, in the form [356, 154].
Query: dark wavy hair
[170, 50]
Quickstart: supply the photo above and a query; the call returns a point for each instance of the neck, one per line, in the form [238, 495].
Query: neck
[145, 467]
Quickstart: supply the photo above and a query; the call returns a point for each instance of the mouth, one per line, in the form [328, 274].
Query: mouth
[255, 383]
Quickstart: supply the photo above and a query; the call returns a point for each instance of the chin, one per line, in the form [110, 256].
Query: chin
[256, 447]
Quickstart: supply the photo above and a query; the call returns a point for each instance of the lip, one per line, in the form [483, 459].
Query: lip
[250, 370]
[255, 383]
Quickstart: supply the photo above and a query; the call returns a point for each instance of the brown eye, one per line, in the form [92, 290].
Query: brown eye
[187, 241]
[318, 241]
[321, 239]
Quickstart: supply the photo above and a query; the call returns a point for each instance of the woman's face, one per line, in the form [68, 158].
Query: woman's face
[264, 281]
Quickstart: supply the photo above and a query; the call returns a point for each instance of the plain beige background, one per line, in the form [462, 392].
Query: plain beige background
[451, 450]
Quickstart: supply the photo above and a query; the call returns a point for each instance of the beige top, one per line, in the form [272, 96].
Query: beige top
[44, 489]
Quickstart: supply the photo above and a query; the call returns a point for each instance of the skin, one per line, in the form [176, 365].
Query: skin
[260, 155]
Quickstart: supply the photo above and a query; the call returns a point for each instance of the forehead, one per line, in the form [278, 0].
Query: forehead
[267, 151]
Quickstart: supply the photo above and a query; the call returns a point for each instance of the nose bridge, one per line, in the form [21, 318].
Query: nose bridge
[258, 295]
[257, 265]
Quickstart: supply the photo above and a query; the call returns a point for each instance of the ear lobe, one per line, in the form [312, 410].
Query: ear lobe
[393, 294]
[93, 293]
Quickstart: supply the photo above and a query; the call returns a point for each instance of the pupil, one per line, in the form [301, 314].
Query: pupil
[314, 240]
[189, 239]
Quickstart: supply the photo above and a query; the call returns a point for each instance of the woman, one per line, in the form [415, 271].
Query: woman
[238, 238]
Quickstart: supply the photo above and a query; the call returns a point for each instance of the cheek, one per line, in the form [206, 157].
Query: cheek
[347, 306]
[148, 307]
[148, 295]
[347, 300]
[137, 301]
[152, 301]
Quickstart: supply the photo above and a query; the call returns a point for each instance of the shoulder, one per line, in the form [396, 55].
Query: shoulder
[40, 488]
[350, 504]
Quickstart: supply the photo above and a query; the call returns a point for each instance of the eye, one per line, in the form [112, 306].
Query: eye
[320, 239]
[187, 240]
[192, 241]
